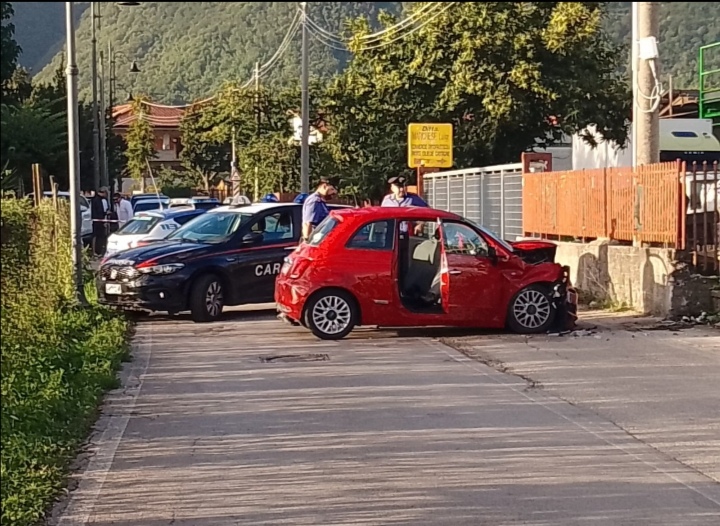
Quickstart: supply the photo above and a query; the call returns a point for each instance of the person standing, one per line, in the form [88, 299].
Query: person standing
[99, 207]
[123, 209]
[399, 196]
[315, 208]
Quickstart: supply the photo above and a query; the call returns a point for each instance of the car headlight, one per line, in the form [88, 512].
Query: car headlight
[161, 269]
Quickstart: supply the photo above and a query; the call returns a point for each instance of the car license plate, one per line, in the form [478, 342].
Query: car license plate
[572, 297]
[113, 288]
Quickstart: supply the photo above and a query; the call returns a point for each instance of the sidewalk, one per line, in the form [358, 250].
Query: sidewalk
[660, 386]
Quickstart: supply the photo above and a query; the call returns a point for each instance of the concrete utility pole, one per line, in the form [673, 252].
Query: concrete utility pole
[96, 116]
[74, 154]
[647, 95]
[305, 112]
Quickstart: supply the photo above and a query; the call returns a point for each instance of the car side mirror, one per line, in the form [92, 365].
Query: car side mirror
[252, 238]
[492, 255]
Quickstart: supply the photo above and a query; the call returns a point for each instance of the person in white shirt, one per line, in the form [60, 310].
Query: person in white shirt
[123, 209]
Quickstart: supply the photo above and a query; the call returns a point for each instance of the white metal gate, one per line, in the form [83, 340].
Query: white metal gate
[490, 196]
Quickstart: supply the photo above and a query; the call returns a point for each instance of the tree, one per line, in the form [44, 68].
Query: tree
[506, 75]
[9, 49]
[30, 134]
[53, 96]
[140, 142]
[204, 154]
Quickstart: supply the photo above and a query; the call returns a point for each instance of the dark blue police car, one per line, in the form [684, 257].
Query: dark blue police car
[230, 255]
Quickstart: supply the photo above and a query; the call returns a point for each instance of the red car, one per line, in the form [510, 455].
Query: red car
[419, 267]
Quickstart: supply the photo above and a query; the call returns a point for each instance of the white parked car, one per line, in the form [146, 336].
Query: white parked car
[151, 203]
[148, 227]
[85, 211]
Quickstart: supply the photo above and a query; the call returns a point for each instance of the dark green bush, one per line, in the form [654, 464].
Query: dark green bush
[57, 358]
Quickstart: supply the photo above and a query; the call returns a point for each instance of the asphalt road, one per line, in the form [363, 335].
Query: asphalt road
[215, 427]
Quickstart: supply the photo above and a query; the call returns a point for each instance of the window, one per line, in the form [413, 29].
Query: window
[181, 220]
[166, 141]
[460, 239]
[209, 228]
[684, 134]
[322, 230]
[274, 227]
[138, 225]
[377, 235]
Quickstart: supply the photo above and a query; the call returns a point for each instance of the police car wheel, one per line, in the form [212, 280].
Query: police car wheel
[531, 310]
[331, 314]
[207, 299]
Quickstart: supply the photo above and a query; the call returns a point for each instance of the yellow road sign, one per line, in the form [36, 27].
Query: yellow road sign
[430, 145]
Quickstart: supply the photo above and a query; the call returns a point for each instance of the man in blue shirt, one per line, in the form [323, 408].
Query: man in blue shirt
[399, 196]
[315, 208]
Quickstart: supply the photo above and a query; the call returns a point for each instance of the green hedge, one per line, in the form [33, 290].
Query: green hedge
[57, 359]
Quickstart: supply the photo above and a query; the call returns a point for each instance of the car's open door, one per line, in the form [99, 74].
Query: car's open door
[444, 269]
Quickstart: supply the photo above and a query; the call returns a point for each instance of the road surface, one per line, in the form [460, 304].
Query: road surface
[252, 422]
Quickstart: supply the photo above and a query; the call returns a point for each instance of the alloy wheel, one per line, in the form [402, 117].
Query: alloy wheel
[332, 314]
[532, 309]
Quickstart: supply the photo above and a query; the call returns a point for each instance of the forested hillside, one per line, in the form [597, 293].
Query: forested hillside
[186, 50]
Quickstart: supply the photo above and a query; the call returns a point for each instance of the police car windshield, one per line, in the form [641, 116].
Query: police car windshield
[492, 235]
[210, 228]
[138, 225]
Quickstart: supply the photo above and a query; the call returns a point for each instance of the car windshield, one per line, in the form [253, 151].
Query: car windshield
[147, 204]
[322, 230]
[491, 235]
[210, 228]
[138, 225]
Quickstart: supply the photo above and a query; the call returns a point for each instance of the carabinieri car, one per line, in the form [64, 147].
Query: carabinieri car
[419, 267]
[227, 256]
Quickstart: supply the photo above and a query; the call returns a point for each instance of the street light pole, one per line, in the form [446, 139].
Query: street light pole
[96, 116]
[74, 155]
[104, 174]
[305, 110]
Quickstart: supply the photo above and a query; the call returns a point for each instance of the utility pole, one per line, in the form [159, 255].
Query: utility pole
[305, 111]
[111, 103]
[96, 125]
[634, 66]
[257, 122]
[74, 154]
[104, 174]
[647, 92]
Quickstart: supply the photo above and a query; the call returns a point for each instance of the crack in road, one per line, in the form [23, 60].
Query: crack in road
[474, 354]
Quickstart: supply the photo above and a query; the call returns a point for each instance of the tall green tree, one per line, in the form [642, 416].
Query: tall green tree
[9, 49]
[140, 142]
[205, 152]
[507, 75]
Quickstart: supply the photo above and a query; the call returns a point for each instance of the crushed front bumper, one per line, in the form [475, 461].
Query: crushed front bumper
[565, 301]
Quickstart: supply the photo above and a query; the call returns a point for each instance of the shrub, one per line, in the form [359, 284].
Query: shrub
[57, 358]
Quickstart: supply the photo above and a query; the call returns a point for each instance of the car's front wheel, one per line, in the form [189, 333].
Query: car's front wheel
[207, 299]
[331, 314]
[531, 310]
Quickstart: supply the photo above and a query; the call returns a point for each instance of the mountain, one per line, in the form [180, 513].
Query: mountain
[186, 50]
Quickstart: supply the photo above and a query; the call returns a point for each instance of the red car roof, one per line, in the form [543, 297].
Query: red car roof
[387, 212]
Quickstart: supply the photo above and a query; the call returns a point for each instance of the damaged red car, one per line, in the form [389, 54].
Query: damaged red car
[420, 267]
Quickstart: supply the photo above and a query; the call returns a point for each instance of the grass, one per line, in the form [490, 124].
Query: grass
[57, 361]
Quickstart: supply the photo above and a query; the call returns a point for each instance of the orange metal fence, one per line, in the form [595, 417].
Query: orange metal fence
[617, 203]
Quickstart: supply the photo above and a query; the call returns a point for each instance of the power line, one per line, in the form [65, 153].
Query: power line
[424, 11]
[413, 30]
[424, 15]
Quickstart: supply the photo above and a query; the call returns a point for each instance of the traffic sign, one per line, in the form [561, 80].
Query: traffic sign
[430, 145]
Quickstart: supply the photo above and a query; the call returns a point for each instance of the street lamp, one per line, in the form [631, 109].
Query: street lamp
[74, 154]
[100, 162]
[112, 85]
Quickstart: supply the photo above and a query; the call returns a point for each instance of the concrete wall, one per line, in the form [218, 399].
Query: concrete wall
[650, 280]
